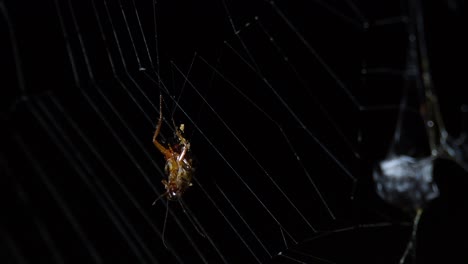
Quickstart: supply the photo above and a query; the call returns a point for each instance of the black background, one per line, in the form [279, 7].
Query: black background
[47, 124]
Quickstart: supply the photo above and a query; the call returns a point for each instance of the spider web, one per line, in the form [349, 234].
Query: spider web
[288, 107]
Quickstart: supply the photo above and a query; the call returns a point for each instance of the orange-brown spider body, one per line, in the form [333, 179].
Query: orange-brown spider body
[179, 170]
[179, 167]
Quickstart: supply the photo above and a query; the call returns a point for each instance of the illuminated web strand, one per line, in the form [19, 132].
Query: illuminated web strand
[45, 235]
[412, 241]
[228, 222]
[390, 21]
[433, 121]
[324, 234]
[352, 21]
[52, 190]
[330, 71]
[316, 102]
[120, 142]
[124, 17]
[383, 70]
[120, 82]
[431, 114]
[86, 59]
[14, 47]
[245, 147]
[322, 62]
[143, 37]
[304, 255]
[134, 137]
[293, 114]
[10, 245]
[24, 197]
[283, 133]
[291, 258]
[316, 55]
[29, 156]
[235, 31]
[132, 40]
[156, 42]
[114, 71]
[192, 218]
[124, 64]
[284, 238]
[285, 138]
[312, 257]
[42, 229]
[131, 37]
[430, 111]
[438, 136]
[91, 76]
[185, 81]
[286, 60]
[256, 69]
[243, 220]
[358, 13]
[327, 233]
[111, 61]
[303, 126]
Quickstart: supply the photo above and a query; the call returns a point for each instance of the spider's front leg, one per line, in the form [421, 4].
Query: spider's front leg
[166, 152]
[162, 195]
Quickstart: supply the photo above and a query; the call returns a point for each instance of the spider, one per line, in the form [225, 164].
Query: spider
[179, 164]
[179, 169]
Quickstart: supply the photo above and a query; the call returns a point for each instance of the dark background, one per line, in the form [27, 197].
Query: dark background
[79, 172]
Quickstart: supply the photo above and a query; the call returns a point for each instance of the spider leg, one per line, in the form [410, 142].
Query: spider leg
[162, 195]
[158, 126]
[161, 148]
[159, 197]
[167, 153]
[184, 151]
[164, 226]
[191, 218]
